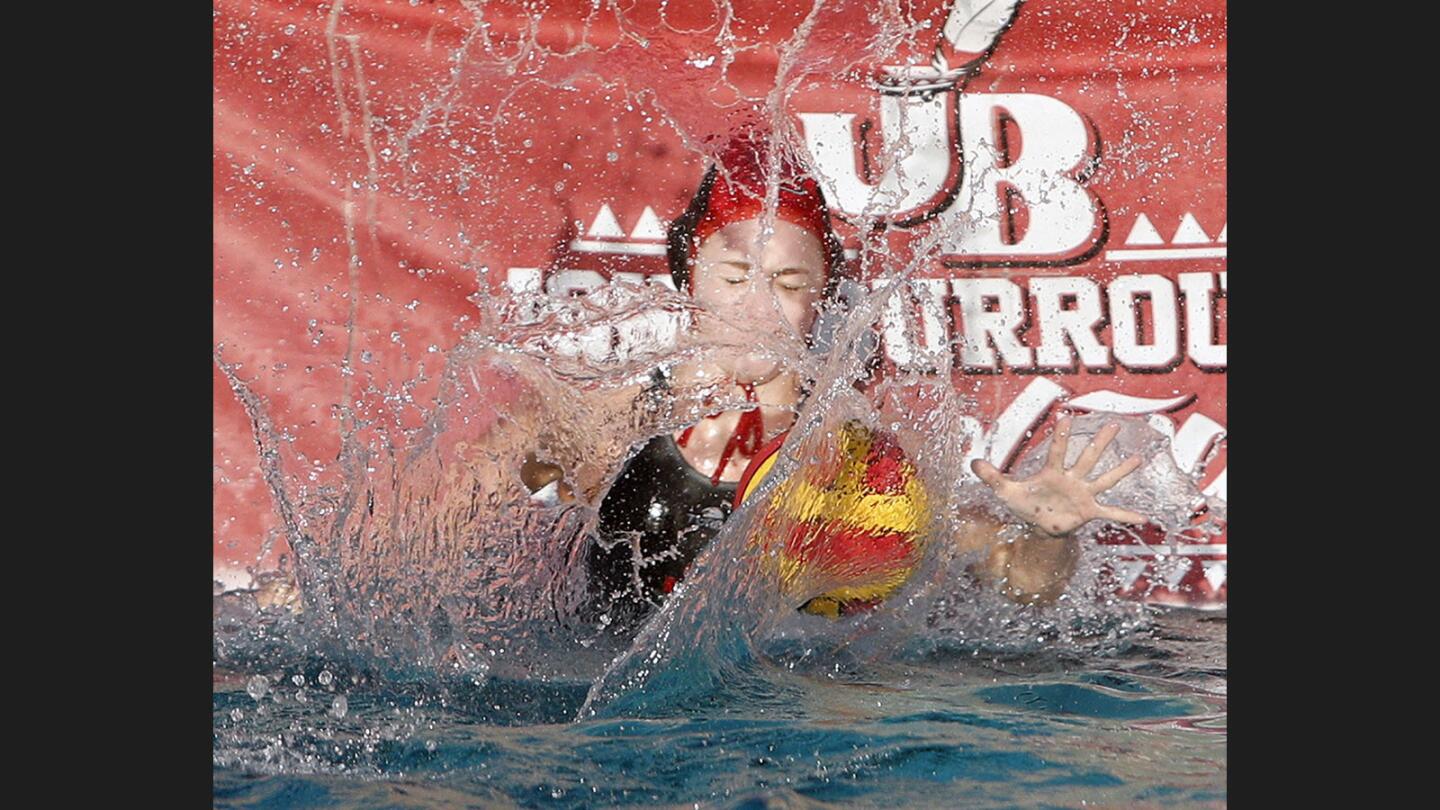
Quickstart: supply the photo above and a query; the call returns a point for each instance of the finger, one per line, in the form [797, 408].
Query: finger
[1091, 454]
[1121, 515]
[988, 473]
[1113, 476]
[1059, 444]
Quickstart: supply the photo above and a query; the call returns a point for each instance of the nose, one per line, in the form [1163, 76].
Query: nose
[754, 315]
[756, 309]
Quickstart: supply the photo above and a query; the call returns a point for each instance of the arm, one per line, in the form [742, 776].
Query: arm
[580, 456]
[570, 438]
[1033, 562]
[1025, 564]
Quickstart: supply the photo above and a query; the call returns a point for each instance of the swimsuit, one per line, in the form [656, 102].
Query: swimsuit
[656, 518]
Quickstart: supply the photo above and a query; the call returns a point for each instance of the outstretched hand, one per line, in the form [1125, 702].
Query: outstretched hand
[1056, 500]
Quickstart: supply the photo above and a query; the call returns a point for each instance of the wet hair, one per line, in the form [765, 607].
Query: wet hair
[681, 234]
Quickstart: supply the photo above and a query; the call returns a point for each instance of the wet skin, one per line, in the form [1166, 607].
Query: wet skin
[757, 288]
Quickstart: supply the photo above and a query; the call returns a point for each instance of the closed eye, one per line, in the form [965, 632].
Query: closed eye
[794, 279]
[735, 272]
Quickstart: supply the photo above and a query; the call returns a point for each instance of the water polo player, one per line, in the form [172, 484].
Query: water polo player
[671, 498]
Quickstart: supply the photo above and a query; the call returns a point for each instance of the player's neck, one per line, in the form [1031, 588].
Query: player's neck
[734, 438]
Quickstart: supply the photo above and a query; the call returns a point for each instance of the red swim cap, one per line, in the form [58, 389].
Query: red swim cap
[739, 190]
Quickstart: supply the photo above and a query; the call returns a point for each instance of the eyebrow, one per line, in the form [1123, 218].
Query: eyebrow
[743, 263]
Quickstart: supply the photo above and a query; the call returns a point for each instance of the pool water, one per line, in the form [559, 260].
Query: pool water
[1143, 724]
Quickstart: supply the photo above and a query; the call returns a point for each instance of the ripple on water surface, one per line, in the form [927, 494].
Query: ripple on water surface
[1148, 725]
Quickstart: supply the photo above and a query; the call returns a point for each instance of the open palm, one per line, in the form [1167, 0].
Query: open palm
[1057, 500]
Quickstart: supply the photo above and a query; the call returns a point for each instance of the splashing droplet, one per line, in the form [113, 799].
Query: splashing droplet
[257, 687]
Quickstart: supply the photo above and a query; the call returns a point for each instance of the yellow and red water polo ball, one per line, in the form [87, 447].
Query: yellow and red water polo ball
[846, 530]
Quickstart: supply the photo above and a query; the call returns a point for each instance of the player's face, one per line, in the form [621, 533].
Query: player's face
[771, 289]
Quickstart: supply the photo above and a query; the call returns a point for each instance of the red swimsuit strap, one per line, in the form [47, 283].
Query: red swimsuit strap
[749, 433]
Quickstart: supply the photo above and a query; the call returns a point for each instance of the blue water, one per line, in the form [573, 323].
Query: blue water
[1145, 723]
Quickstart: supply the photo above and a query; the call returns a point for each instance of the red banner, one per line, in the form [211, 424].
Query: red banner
[1061, 163]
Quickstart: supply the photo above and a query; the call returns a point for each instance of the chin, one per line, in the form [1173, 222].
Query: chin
[757, 374]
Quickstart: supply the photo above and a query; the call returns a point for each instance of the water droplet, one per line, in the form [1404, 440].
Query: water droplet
[298, 680]
[612, 156]
[237, 715]
[339, 706]
[325, 678]
[257, 687]
[431, 745]
[289, 30]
